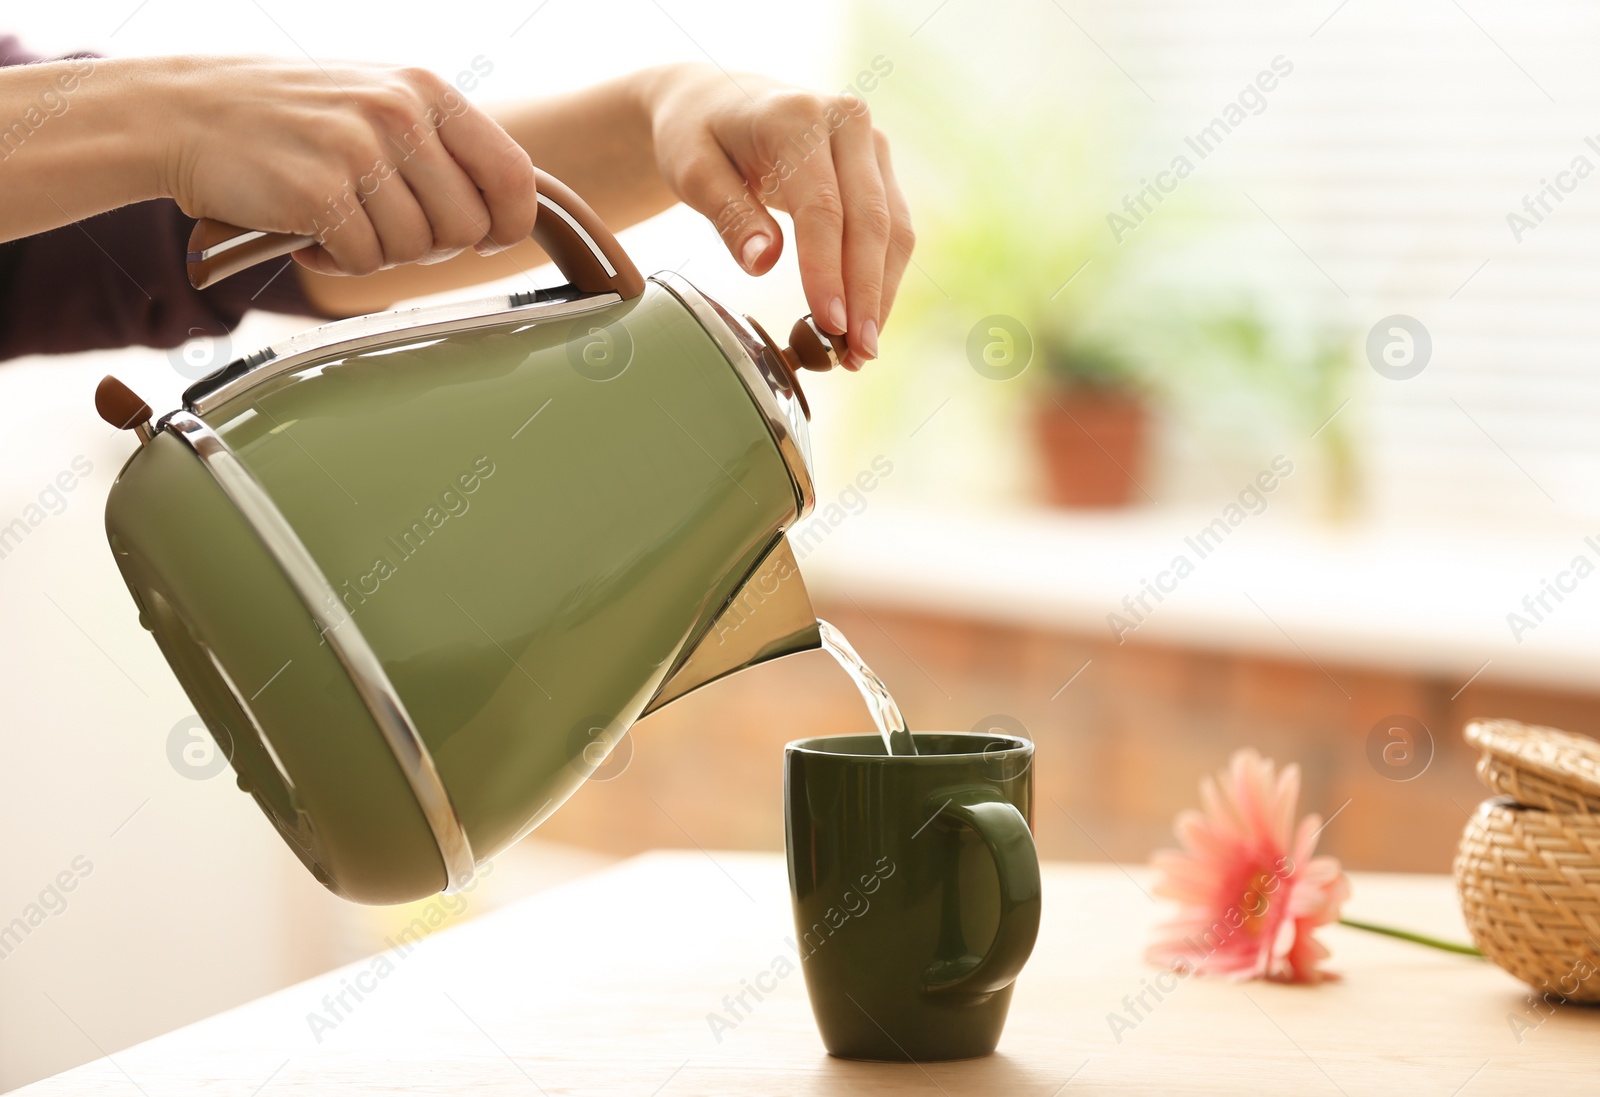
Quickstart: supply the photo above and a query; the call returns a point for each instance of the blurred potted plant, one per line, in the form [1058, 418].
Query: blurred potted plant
[1244, 354]
[1084, 338]
[1013, 259]
[1091, 423]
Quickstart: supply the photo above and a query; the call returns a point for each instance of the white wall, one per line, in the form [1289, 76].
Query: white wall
[1389, 161]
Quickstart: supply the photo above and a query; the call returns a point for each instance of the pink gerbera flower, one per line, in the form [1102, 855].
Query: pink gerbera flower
[1250, 892]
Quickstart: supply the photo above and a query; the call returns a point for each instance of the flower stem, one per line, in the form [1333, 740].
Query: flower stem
[1407, 935]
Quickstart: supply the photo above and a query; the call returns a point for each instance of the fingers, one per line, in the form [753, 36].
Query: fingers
[438, 176]
[347, 241]
[709, 184]
[457, 217]
[852, 224]
[498, 168]
[400, 224]
[381, 224]
[866, 233]
[810, 190]
[902, 238]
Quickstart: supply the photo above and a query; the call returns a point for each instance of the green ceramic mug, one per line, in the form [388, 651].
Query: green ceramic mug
[916, 889]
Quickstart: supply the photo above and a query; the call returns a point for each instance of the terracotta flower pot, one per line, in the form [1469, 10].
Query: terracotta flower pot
[1093, 445]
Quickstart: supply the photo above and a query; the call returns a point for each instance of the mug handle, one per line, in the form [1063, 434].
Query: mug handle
[571, 234]
[1005, 832]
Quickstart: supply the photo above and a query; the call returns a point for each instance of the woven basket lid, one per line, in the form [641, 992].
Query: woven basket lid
[1538, 766]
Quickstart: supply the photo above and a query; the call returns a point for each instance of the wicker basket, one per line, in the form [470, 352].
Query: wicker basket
[1528, 871]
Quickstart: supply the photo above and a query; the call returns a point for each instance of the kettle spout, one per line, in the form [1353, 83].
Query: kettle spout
[769, 616]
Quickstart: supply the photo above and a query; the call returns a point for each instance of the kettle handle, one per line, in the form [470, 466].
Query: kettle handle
[570, 233]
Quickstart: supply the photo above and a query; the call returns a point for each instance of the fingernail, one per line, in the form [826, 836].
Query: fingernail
[869, 338]
[754, 248]
[836, 317]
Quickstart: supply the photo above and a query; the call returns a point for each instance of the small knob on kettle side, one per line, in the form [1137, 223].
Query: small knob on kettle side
[123, 408]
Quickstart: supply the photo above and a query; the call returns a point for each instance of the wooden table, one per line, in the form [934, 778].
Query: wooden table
[604, 986]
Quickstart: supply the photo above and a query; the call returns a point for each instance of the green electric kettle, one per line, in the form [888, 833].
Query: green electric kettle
[420, 571]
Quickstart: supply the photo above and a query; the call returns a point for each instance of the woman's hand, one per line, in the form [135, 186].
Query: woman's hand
[736, 150]
[383, 165]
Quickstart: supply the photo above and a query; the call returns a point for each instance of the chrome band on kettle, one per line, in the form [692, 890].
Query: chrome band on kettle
[343, 637]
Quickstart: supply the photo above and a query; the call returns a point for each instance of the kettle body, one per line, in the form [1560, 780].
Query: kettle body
[419, 572]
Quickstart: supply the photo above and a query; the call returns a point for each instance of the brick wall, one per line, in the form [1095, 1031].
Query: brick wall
[1119, 750]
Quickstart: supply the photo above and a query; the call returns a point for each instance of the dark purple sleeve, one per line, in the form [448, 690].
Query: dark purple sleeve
[118, 279]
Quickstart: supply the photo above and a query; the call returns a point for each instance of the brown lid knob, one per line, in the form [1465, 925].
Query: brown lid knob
[809, 348]
[119, 405]
[812, 348]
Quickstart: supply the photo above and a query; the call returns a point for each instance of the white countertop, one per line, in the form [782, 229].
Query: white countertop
[1414, 601]
[518, 1003]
